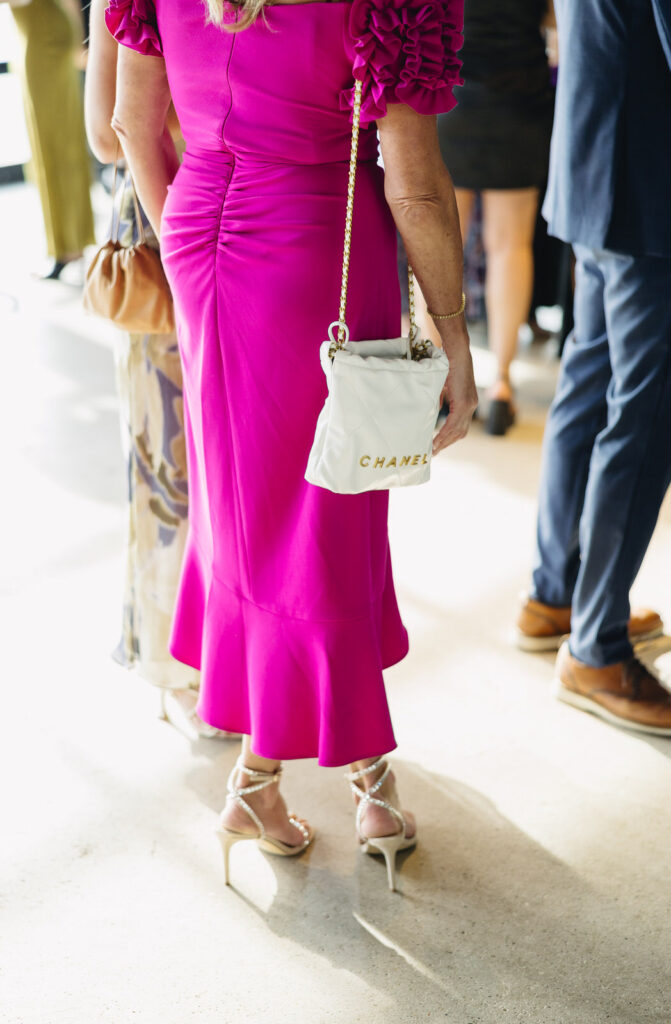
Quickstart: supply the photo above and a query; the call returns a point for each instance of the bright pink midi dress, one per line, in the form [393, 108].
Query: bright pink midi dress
[287, 602]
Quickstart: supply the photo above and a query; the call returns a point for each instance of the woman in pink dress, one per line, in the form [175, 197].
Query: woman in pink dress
[287, 602]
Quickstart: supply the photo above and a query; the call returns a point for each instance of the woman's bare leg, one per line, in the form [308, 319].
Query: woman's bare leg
[258, 764]
[509, 217]
[465, 202]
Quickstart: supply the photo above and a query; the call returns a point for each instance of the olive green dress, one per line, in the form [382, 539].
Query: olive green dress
[54, 115]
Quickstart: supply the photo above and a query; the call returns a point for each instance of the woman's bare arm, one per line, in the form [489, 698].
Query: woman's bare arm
[140, 111]
[100, 88]
[420, 194]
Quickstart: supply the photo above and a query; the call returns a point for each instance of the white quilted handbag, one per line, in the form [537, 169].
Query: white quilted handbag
[376, 428]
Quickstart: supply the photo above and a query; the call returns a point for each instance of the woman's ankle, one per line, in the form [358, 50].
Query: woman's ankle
[501, 390]
[370, 778]
[253, 762]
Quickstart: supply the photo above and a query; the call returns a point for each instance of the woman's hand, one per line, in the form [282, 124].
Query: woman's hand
[460, 391]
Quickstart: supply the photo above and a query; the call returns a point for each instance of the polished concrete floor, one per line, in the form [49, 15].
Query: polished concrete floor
[539, 889]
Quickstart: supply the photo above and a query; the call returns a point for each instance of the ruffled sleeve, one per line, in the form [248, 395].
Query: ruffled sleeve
[133, 23]
[405, 51]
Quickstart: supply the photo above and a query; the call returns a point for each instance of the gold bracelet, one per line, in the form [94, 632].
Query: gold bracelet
[450, 316]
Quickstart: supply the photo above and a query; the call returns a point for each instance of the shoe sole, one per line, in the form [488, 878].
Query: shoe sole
[538, 644]
[280, 849]
[652, 634]
[374, 851]
[576, 700]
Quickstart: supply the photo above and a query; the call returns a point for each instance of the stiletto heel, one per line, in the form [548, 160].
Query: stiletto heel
[227, 840]
[388, 846]
[229, 837]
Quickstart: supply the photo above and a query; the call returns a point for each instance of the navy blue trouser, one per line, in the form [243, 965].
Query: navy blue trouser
[607, 449]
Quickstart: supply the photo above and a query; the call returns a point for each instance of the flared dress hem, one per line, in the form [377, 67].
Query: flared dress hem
[244, 650]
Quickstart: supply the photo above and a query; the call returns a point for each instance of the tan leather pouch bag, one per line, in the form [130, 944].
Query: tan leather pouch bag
[127, 284]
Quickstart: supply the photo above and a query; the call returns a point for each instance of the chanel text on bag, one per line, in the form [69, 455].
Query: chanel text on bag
[384, 462]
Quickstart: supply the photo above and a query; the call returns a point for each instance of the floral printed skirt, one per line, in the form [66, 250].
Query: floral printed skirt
[149, 382]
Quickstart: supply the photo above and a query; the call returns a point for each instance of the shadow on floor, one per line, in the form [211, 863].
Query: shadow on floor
[489, 925]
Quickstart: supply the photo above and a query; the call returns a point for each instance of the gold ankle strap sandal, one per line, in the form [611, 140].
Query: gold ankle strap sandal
[388, 846]
[229, 837]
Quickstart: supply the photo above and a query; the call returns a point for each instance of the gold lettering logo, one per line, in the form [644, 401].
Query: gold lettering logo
[382, 462]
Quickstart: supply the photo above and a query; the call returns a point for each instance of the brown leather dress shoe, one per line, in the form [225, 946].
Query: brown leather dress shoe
[540, 627]
[624, 694]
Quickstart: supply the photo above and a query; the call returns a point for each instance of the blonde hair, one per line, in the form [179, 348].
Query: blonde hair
[249, 11]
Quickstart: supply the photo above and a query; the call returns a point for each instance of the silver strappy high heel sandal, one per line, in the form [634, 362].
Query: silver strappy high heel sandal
[228, 837]
[388, 846]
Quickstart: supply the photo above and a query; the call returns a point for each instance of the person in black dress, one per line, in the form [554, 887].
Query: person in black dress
[496, 142]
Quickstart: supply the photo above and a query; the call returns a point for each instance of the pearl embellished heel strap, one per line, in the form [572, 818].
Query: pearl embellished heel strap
[388, 845]
[239, 794]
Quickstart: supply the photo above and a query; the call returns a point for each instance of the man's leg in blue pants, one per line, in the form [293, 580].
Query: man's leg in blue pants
[630, 465]
[578, 414]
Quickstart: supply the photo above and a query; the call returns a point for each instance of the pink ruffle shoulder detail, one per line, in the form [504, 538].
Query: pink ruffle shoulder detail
[133, 23]
[405, 51]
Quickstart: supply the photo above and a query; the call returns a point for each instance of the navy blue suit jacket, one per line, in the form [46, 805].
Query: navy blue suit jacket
[610, 162]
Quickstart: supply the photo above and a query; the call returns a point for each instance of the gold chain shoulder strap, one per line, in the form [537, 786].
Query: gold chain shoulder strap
[343, 333]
